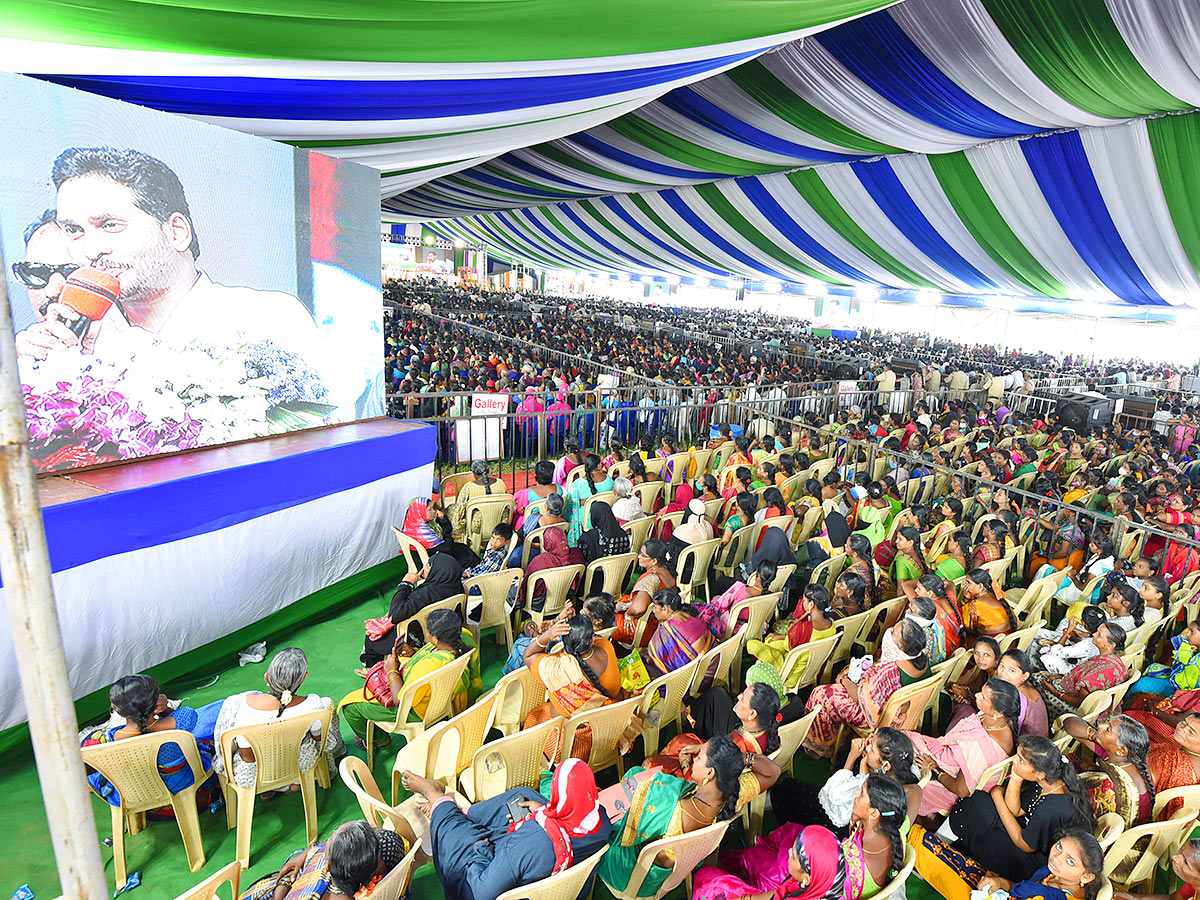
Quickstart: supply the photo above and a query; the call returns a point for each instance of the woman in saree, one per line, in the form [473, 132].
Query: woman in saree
[657, 574]
[440, 580]
[969, 747]
[873, 850]
[805, 863]
[951, 510]
[595, 481]
[751, 721]
[1065, 545]
[350, 864]
[907, 567]
[583, 676]
[1015, 668]
[983, 612]
[875, 515]
[1183, 674]
[1074, 870]
[656, 805]
[946, 613]
[716, 613]
[481, 485]
[850, 595]
[985, 657]
[447, 640]
[544, 485]
[862, 561]
[431, 528]
[992, 547]
[812, 621]
[902, 660]
[681, 636]
[555, 553]
[1064, 693]
[1120, 781]
[952, 563]
[1180, 560]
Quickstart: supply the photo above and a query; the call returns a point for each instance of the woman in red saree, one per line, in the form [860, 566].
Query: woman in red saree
[1180, 560]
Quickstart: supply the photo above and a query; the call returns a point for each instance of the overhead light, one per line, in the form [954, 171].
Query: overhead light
[867, 292]
[459, 244]
[701, 282]
[429, 240]
[926, 298]
[773, 287]
[672, 279]
[815, 290]
[1002, 302]
[643, 278]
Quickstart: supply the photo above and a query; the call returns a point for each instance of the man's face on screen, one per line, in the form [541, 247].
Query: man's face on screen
[106, 229]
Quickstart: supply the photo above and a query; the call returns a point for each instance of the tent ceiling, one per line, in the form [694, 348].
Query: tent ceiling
[1018, 147]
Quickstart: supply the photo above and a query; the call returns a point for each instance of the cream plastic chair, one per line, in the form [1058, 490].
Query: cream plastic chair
[994, 774]
[536, 538]
[949, 670]
[802, 666]
[669, 707]
[565, 885]
[614, 573]
[456, 481]
[357, 777]
[458, 603]
[648, 492]
[517, 693]
[712, 510]
[1109, 827]
[720, 658]
[849, 630]
[131, 766]
[415, 556]
[639, 530]
[903, 711]
[791, 736]
[1137, 877]
[734, 554]
[558, 581]
[1190, 796]
[896, 884]
[828, 571]
[674, 518]
[207, 889]
[782, 574]
[395, 883]
[494, 588]
[276, 748]
[701, 458]
[438, 686]
[690, 851]
[609, 497]
[607, 723]
[758, 613]
[786, 523]
[1021, 639]
[443, 752]
[694, 560]
[484, 513]
[509, 762]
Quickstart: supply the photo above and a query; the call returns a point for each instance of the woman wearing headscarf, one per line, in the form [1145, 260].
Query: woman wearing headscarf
[775, 547]
[440, 579]
[555, 553]
[424, 524]
[606, 537]
[479, 853]
[694, 529]
[796, 862]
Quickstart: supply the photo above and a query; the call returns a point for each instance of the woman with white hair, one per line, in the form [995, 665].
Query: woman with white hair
[627, 506]
[284, 676]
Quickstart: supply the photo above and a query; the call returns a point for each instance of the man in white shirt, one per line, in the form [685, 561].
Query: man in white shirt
[124, 212]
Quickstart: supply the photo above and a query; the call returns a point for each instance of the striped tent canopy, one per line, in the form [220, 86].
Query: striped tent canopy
[1031, 148]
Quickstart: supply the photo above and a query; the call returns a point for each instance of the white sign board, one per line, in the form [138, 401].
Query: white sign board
[479, 436]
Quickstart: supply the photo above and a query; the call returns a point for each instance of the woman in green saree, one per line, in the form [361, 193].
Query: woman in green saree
[649, 805]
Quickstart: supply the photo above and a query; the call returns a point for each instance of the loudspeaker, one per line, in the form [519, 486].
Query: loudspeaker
[1082, 412]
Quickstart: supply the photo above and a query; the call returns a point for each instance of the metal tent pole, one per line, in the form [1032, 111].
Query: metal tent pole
[41, 661]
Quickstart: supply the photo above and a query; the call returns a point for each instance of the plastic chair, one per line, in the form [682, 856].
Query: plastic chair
[805, 530]
[712, 510]
[1162, 835]
[692, 567]
[786, 523]
[690, 851]
[802, 666]
[415, 556]
[131, 766]
[607, 723]
[558, 581]
[674, 518]
[720, 658]
[395, 883]
[782, 574]
[1190, 796]
[438, 686]
[568, 884]
[456, 481]
[828, 571]
[994, 774]
[609, 497]
[639, 531]
[356, 776]
[669, 707]
[1109, 827]
[535, 538]
[896, 884]
[1021, 639]
[517, 693]
[614, 573]
[445, 751]
[207, 889]
[649, 492]
[484, 514]
[849, 630]
[791, 736]
[458, 603]
[276, 748]
[509, 762]
[903, 711]
[494, 588]
[734, 553]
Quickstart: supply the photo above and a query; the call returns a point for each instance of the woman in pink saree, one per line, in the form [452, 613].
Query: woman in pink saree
[969, 747]
[681, 636]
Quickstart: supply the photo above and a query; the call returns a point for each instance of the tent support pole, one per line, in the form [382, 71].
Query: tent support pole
[41, 660]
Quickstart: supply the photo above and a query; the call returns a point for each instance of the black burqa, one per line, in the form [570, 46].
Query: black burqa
[444, 581]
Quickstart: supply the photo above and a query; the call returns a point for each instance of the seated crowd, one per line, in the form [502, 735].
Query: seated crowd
[858, 572]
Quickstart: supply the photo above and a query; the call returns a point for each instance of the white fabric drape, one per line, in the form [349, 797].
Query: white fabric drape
[1164, 35]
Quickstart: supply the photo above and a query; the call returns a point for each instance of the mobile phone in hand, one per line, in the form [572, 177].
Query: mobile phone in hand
[515, 810]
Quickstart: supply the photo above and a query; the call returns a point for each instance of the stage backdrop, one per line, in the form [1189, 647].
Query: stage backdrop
[228, 285]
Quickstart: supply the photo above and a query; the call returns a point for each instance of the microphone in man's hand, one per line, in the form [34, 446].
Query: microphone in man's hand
[91, 293]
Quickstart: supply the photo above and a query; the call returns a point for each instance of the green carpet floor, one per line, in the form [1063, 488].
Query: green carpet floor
[332, 645]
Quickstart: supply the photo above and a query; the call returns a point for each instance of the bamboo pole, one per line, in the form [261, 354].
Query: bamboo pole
[41, 661]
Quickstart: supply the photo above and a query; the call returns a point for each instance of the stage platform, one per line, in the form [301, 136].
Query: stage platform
[154, 558]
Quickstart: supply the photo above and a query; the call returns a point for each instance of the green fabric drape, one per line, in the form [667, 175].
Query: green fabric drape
[1175, 141]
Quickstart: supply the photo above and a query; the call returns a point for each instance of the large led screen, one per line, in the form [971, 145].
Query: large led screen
[177, 285]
